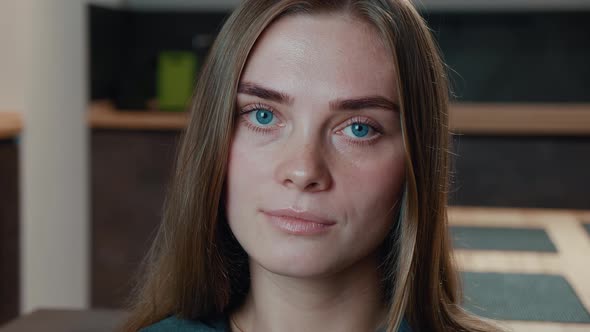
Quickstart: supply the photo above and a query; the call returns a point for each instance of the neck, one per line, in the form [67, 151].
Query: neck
[349, 300]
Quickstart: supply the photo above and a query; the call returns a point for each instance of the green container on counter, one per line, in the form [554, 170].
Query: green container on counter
[176, 75]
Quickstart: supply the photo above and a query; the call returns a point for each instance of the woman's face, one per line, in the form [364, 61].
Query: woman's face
[316, 163]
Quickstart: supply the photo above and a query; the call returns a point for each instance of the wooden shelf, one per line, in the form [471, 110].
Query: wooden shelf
[520, 119]
[10, 124]
[102, 115]
[465, 118]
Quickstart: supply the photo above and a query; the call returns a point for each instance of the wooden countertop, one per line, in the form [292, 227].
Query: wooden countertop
[10, 124]
[520, 119]
[102, 115]
[465, 118]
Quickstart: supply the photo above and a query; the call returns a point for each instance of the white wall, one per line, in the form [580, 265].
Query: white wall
[54, 190]
[11, 61]
[43, 76]
[428, 4]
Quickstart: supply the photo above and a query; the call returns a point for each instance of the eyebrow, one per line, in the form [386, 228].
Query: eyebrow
[364, 102]
[264, 93]
[352, 104]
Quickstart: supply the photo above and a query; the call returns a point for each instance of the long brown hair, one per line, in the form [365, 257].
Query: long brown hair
[196, 269]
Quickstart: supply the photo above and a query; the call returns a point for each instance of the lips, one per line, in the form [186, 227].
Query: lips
[300, 215]
[298, 222]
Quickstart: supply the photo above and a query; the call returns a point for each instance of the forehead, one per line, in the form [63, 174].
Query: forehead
[322, 54]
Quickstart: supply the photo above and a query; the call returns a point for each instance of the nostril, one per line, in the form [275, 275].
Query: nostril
[312, 185]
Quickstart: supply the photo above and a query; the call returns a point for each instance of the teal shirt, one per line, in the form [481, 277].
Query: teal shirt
[175, 324]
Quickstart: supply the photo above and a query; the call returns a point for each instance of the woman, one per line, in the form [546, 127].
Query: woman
[310, 185]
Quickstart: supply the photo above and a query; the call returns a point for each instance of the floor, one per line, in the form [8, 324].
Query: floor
[565, 228]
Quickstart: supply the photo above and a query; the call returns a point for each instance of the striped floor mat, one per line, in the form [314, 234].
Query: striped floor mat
[501, 238]
[531, 297]
[528, 269]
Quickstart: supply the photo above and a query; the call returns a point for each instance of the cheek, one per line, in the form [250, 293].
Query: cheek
[248, 172]
[374, 186]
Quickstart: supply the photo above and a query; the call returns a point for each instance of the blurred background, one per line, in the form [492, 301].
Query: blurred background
[92, 99]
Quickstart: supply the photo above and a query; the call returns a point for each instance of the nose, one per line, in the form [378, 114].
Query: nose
[303, 167]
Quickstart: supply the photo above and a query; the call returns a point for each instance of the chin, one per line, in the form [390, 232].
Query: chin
[301, 271]
[299, 265]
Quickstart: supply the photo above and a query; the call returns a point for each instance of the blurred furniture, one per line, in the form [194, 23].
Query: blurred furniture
[527, 267]
[67, 321]
[10, 127]
[492, 56]
[532, 155]
[131, 159]
[125, 46]
[520, 119]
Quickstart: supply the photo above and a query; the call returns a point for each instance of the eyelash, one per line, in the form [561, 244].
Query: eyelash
[355, 120]
[251, 108]
[374, 126]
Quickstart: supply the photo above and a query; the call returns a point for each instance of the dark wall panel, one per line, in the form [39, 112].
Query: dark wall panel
[521, 56]
[492, 56]
[9, 231]
[536, 172]
[129, 176]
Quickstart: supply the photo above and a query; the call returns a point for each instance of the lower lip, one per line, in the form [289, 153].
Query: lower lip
[297, 226]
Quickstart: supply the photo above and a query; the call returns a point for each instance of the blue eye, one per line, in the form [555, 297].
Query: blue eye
[263, 116]
[359, 130]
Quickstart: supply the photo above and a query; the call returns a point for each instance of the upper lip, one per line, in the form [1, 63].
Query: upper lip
[303, 215]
